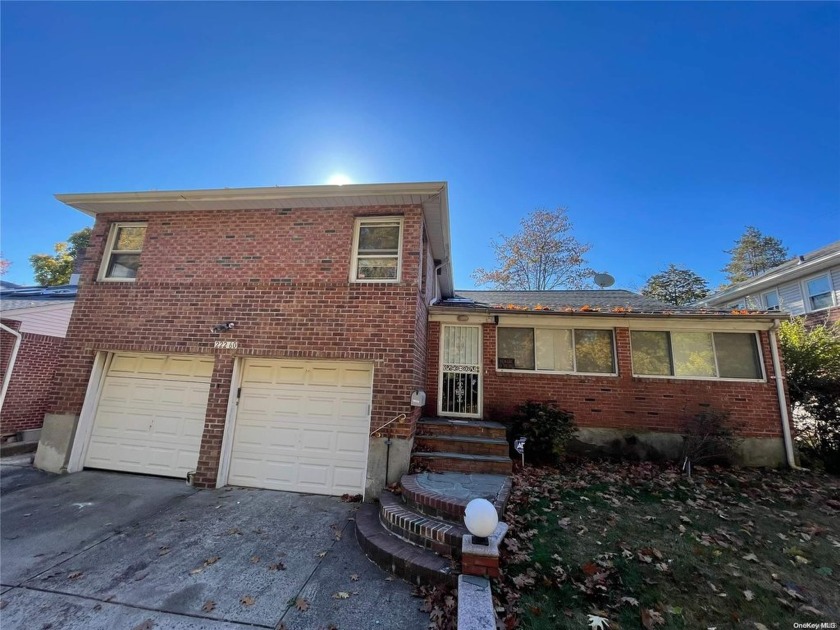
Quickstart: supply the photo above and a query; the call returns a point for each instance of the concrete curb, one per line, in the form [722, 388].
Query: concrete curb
[475, 604]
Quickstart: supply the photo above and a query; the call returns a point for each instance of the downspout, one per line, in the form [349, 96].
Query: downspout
[780, 390]
[11, 366]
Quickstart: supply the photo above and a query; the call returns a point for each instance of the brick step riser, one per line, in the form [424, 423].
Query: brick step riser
[386, 555]
[444, 464]
[432, 444]
[441, 548]
[461, 430]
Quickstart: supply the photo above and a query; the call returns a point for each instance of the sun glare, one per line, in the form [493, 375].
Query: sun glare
[339, 179]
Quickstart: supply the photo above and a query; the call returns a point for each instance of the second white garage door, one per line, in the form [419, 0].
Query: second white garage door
[302, 426]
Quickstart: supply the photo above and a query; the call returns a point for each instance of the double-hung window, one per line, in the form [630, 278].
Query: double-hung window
[377, 243]
[555, 350]
[695, 354]
[122, 252]
[818, 293]
[770, 300]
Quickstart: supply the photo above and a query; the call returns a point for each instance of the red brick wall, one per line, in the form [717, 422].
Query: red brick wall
[30, 388]
[622, 402]
[827, 316]
[281, 274]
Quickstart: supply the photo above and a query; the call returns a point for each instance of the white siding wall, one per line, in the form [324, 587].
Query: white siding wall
[835, 282]
[790, 295]
[49, 320]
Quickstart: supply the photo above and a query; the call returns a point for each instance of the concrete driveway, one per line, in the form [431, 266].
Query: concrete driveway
[110, 550]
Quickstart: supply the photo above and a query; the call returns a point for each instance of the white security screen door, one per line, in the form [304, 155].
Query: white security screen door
[460, 371]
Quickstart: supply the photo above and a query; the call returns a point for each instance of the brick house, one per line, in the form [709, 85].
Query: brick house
[629, 368]
[264, 337]
[33, 324]
[805, 286]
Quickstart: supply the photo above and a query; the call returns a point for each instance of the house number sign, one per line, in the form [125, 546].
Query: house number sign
[226, 345]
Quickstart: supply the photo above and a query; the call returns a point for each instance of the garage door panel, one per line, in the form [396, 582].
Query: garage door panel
[306, 429]
[353, 445]
[151, 422]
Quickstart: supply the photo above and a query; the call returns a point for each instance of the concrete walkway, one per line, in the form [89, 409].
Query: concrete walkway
[109, 550]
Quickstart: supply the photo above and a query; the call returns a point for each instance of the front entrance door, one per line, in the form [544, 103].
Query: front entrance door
[460, 371]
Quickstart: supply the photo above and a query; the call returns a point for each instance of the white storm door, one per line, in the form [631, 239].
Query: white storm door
[460, 372]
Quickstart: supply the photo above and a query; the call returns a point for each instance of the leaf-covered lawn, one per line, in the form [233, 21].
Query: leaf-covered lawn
[606, 545]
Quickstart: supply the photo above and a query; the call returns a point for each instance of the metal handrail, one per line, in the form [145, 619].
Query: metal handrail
[394, 419]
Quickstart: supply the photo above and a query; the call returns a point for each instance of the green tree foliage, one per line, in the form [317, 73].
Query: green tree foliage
[543, 255]
[753, 254]
[56, 269]
[812, 363]
[677, 286]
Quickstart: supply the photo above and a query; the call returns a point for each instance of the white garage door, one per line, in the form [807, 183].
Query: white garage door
[150, 415]
[302, 426]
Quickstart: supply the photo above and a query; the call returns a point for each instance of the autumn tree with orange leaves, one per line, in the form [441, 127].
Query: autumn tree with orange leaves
[542, 256]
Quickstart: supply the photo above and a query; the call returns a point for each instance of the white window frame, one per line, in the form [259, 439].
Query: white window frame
[763, 378]
[109, 250]
[778, 306]
[574, 371]
[807, 296]
[354, 259]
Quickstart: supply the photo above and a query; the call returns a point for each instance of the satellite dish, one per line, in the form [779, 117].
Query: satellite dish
[604, 280]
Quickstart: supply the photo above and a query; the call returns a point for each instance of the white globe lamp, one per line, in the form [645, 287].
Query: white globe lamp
[481, 520]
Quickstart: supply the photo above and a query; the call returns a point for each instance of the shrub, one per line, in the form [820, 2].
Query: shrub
[710, 437]
[812, 363]
[547, 428]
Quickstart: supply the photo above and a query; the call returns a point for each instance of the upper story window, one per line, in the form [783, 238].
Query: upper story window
[377, 243]
[556, 350]
[818, 293]
[122, 252]
[770, 300]
[695, 354]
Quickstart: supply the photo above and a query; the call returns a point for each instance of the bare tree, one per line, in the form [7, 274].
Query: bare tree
[543, 255]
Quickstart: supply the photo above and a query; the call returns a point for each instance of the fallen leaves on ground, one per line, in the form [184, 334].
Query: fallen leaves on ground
[277, 566]
[75, 575]
[351, 498]
[354, 577]
[209, 562]
[341, 595]
[247, 600]
[643, 545]
[209, 606]
[146, 625]
[441, 602]
[301, 604]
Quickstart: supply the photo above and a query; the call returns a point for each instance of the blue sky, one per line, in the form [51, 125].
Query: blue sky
[664, 128]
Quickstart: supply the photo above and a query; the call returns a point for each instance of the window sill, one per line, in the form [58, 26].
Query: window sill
[548, 373]
[116, 280]
[706, 379]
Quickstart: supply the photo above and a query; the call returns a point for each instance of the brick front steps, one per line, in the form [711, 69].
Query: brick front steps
[470, 446]
[417, 535]
[401, 558]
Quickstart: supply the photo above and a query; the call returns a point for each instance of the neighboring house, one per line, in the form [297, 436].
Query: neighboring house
[263, 337]
[806, 285]
[34, 323]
